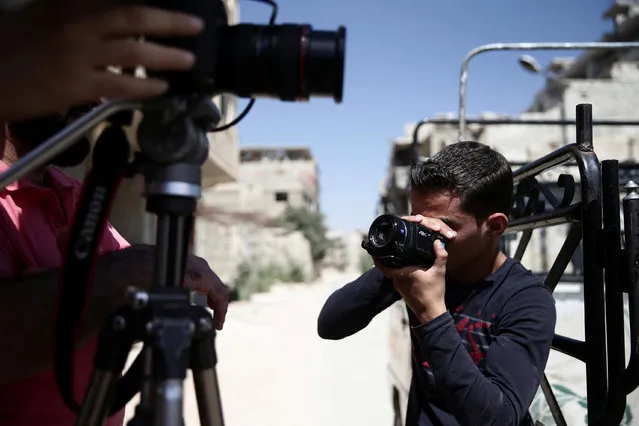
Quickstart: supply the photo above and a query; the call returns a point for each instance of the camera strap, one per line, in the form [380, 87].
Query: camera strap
[110, 163]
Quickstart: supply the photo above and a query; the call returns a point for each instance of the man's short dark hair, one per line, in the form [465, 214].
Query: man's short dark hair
[480, 176]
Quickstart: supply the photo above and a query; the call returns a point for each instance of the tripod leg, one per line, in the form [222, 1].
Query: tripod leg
[207, 392]
[144, 410]
[169, 401]
[203, 361]
[169, 334]
[110, 358]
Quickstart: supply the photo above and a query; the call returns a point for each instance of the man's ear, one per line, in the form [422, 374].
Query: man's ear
[496, 224]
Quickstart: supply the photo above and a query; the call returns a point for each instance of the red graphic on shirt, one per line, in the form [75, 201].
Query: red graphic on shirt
[476, 353]
[475, 350]
[468, 325]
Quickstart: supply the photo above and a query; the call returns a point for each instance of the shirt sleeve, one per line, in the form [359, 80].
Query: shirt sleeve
[352, 307]
[514, 362]
[9, 259]
[112, 240]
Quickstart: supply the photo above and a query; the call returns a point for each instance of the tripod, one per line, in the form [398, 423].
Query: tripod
[177, 335]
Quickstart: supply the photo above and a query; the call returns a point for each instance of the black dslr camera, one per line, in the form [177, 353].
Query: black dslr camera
[289, 62]
[395, 242]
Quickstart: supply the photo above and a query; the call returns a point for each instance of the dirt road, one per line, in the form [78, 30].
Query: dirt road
[273, 370]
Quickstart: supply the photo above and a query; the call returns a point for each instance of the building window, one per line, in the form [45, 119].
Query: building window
[281, 196]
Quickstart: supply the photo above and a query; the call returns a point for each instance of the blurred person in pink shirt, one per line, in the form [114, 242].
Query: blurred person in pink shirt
[35, 216]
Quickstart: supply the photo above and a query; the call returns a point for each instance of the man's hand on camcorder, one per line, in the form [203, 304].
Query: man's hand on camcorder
[200, 278]
[423, 290]
[66, 63]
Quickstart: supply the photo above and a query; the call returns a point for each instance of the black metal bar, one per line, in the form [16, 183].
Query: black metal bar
[616, 399]
[594, 308]
[563, 257]
[556, 217]
[583, 126]
[523, 244]
[623, 165]
[555, 409]
[631, 229]
[571, 347]
[549, 161]
[549, 196]
[523, 122]
[566, 278]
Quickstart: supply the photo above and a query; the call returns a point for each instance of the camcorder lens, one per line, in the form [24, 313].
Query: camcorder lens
[288, 62]
[382, 233]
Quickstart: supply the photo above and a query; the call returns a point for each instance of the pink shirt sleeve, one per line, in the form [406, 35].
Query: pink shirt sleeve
[9, 260]
[112, 240]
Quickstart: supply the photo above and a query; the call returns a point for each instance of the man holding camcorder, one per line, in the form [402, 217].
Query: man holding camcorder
[481, 323]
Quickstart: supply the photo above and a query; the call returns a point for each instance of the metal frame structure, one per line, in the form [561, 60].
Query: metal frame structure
[610, 268]
[463, 78]
[505, 121]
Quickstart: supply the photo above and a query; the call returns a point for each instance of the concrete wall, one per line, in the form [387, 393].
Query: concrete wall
[234, 227]
[298, 179]
[346, 255]
[225, 246]
[337, 256]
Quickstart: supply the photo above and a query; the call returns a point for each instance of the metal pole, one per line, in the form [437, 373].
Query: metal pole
[524, 46]
[43, 153]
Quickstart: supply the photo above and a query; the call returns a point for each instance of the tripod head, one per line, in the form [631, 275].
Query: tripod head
[173, 143]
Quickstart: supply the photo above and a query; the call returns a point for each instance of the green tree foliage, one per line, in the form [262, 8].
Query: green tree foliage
[311, 225]
[253, 278]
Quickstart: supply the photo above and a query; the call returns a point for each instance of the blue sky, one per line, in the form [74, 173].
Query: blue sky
[402, 64]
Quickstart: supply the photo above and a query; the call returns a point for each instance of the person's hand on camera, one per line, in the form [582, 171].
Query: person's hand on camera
[200, 278]
[67, 63]
[423, 289]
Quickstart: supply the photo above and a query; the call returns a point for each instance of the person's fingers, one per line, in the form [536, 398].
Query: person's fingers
[436, 225]
[412, 218]
[129, 53]
[441, 256]
[117, 86]
[219, 302]
[395, 272]
[145, 20]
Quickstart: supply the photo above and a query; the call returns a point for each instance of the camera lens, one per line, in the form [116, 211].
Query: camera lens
[381, 233]
[288, 62]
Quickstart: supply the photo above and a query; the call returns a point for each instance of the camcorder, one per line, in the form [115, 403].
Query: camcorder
[395, 242]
